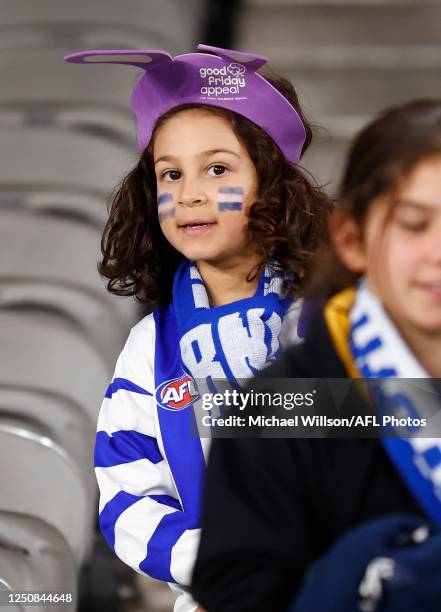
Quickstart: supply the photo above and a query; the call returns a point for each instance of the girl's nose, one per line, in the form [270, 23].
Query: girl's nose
[191, 194]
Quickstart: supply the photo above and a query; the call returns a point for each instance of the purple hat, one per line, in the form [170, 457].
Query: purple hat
[227, 79]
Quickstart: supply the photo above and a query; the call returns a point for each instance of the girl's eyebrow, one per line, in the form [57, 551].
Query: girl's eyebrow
[215, 151]
[208, 153]
[165, 158]
[416, 204]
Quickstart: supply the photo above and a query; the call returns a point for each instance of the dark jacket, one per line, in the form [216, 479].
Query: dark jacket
[274, 506]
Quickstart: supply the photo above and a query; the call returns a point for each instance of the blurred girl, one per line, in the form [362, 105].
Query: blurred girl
[285, 503]
[214, 227]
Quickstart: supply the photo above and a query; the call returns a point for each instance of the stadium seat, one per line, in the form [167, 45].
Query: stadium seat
[41, 76]
[89, 311]
[34, 556]
[62, 421]
[48, 156]
[43, 352]
[109, 123]
[68, 203]
[173, 21]
[42, 248]
[5, 589]
[38, 478]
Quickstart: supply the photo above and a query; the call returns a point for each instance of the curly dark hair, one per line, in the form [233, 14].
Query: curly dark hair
[286, 221]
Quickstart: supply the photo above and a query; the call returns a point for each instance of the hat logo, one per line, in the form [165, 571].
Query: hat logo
[236, 69]
[223, 83]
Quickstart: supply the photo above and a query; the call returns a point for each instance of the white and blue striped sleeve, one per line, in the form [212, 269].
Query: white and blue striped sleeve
[140, 514]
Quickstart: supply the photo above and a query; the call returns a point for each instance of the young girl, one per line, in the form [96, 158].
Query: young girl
[285, 503]
[213, 227]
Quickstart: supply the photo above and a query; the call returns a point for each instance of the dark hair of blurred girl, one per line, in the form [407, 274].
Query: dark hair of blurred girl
[383, 154]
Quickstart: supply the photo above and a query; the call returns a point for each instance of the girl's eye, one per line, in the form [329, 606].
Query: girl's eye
[414, 227]
[411, 219]
[412, 224]
[217, 170]
[171, 175]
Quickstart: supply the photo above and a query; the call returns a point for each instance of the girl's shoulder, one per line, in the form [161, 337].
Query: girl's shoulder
[141, 332]
[138, 355]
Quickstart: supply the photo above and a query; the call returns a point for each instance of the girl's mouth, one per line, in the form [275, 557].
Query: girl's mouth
[433, 288]
[196, 229]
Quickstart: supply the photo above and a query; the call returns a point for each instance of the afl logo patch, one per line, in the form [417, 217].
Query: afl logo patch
[177, 393]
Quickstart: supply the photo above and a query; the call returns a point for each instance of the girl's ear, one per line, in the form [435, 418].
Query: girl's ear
[346, 236]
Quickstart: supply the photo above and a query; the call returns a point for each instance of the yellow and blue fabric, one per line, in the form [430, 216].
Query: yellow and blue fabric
[371, 347]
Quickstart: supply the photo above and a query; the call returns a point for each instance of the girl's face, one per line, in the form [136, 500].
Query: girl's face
[206, 183]
[400, 250]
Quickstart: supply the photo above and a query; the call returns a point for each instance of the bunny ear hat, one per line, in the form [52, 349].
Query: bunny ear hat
[221, 77]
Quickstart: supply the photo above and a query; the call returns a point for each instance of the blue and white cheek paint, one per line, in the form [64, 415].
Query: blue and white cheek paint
[166, 207]
[230, 198]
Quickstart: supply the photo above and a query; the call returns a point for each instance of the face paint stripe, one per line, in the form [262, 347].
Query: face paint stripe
[230, 206]
[164, 198]
[166, 214]
[236, 190]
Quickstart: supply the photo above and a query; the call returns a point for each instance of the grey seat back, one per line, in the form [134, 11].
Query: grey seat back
[35, 557]
[42, 352]
[41, 248]
[171, 21]
[60, 420]
[89, 311]
[38, 155]
[38, 478]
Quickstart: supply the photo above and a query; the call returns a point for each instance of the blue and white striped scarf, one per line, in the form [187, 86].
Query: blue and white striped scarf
[381, 355]
[228, 342]
[233, 341]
